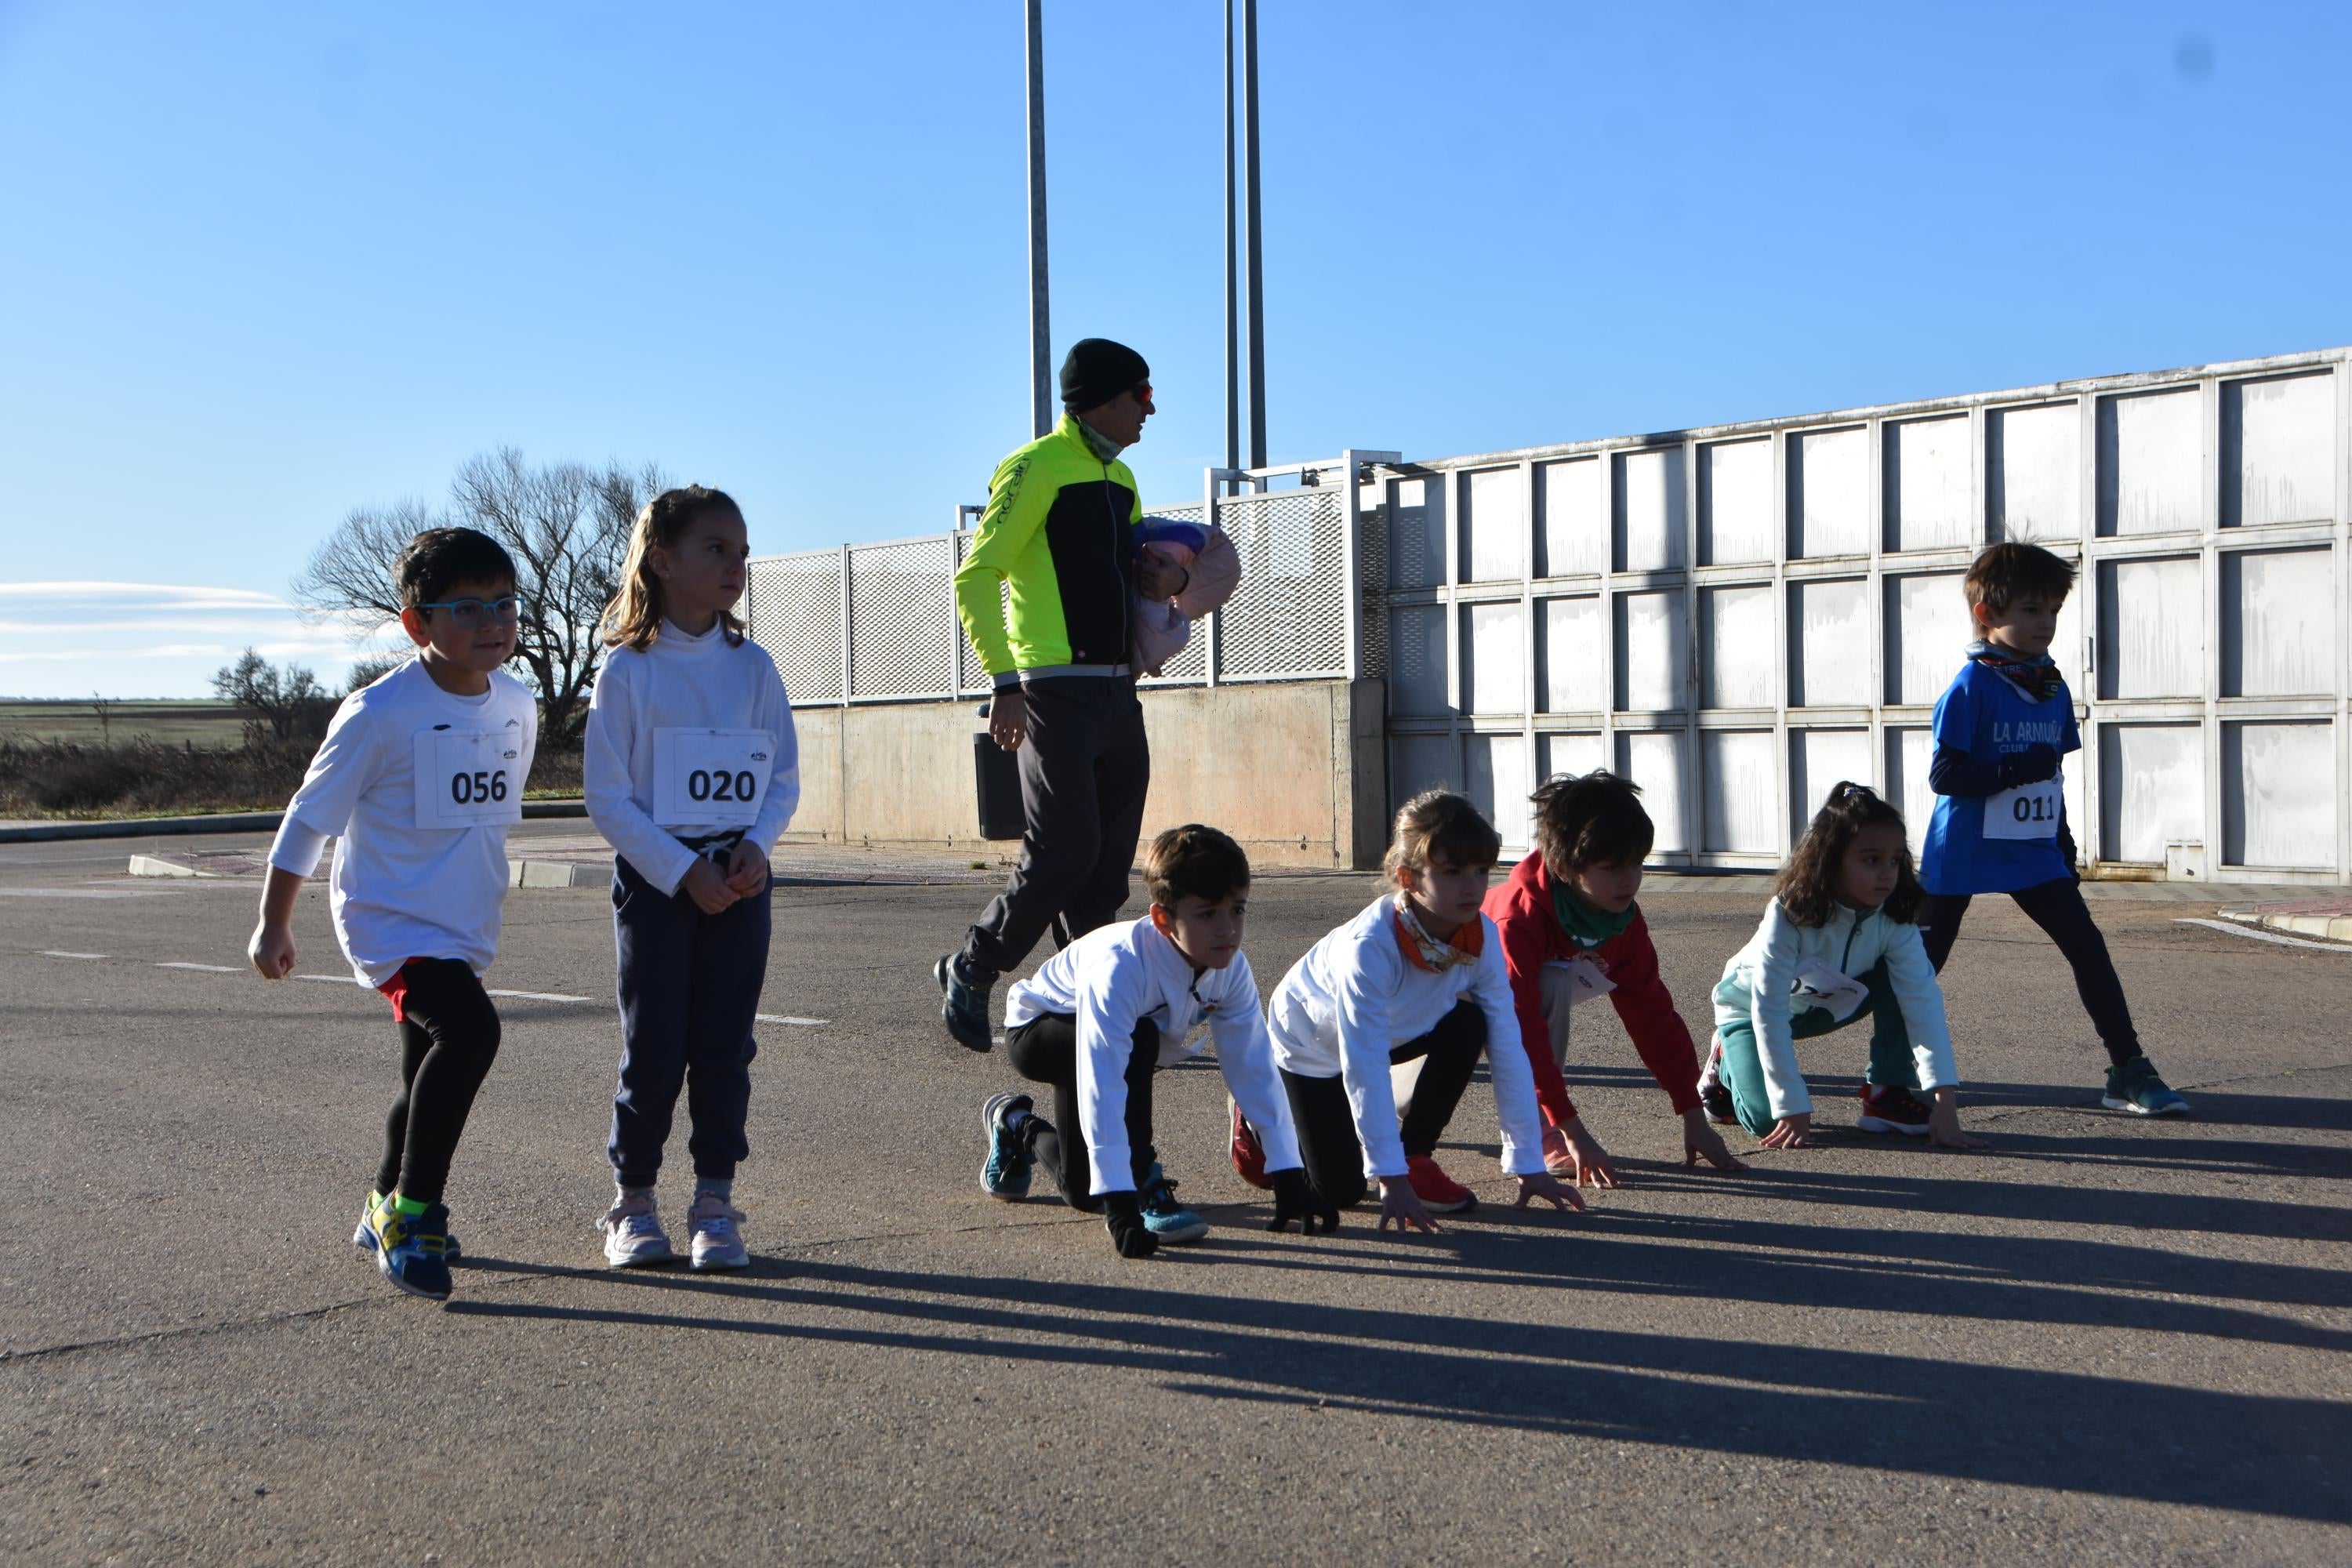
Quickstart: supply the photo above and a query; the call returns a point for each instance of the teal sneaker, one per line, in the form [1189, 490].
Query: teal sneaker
[1006, 1173]
[364, 1238]
[412, 1250]
[1162, 1215]
[2134, 1087]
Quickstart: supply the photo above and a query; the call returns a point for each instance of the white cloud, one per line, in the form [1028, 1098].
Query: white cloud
[152, 638]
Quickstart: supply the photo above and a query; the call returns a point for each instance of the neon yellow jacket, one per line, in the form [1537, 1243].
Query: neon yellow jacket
[1060, 529]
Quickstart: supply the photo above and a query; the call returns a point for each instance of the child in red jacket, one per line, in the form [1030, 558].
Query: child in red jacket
[1570, 932]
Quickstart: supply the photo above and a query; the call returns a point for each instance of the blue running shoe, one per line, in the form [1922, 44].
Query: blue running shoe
[2134, 1087]
[1006, 1174]
[364, 1238]
[1162, 1215]
[412, 1250]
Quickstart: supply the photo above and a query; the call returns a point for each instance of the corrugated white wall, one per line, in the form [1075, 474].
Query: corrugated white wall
[1740, 616]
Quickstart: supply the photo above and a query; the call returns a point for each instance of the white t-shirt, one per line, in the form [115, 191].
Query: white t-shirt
[691, 737]
[1353, 998]
[418, 786]
[1116, 976]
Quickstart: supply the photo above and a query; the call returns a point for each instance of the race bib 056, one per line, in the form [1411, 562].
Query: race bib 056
[468, 778]
[710, 776]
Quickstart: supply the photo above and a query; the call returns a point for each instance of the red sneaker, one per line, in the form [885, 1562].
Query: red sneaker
[1249, 1154]
[1438, 1193]
[1892, 1108]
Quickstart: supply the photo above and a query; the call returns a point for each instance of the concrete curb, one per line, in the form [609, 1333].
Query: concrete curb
[223, 822]
[2331, 928]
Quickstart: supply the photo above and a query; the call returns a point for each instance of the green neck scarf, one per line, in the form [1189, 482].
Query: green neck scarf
[1587, 926]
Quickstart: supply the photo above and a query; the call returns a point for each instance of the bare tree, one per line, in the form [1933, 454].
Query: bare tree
[278, 705]
[566, 524]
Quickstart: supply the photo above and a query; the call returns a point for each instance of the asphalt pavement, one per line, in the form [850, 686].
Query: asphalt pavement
[2114, 1339]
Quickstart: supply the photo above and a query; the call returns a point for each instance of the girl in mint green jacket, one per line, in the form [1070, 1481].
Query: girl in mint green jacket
[1837, 943]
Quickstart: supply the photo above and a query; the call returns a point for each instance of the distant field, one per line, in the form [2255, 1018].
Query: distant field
[199, 722]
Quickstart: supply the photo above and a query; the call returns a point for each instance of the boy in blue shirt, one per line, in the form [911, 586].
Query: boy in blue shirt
[2002, 729]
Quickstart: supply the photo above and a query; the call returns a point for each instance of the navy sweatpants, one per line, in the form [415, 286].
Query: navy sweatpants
[689, 986]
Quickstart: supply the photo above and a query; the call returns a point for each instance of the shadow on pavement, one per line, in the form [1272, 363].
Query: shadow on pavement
[2049, 1428]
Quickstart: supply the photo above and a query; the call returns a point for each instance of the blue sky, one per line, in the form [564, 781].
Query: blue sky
[268, 262]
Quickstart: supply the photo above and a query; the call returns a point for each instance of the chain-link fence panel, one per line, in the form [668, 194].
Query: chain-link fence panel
[1289, 616]
[900, 613]
[792, 604]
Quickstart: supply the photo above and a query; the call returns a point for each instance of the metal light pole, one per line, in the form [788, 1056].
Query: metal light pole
[1233, 284]
[1041, 332]
[1256, 272]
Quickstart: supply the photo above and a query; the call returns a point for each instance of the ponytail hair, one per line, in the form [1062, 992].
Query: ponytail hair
[635, 616]
[1808, 884]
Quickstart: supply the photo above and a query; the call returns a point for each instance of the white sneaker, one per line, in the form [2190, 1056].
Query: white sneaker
[718, 1243]
[632, 1232]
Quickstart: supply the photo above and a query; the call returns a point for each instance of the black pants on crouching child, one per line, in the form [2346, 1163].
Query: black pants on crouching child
[1328, 1144]
[689, 986]
[1046, 1050]
[2057, 907]
[448, 1037]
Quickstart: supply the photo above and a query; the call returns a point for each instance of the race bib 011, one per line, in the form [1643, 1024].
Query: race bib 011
[2029, 811]
[717, 777]
[468, 778]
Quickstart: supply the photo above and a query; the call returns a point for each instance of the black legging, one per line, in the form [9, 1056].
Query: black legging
[1328, 1144]
[448, 1036]
[2057, 907]
[1046, 1050]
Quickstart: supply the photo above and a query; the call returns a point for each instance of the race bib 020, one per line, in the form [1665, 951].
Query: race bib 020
[2029, 811]
[468, 778]
[714, 777]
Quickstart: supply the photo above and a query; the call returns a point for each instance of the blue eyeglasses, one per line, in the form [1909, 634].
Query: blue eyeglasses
[470, 613]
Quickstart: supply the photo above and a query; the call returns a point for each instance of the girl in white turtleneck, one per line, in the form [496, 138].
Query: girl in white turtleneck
[692, 771]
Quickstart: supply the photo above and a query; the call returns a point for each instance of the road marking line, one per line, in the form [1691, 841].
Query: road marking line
[782, 1018]
[329, 979]
[541, 997]
[207, 968]
[2234, 929]
[46, 954]
[88, 894]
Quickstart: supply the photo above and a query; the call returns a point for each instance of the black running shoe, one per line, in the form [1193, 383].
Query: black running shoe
[965, 1012]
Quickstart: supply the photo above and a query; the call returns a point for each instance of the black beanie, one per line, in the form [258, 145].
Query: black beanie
[1098, 370]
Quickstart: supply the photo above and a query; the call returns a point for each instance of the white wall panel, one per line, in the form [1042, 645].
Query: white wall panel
[1829, 636]
[1909, 753]
[2152, 461]
[2067, 647]
[1417, 534]
[2152, 628]
[2032, 465]
[2278, 449]
[1737, 642]
[1567, 753]
[1575, 655]
[1652, 509]
[1494, 655]
[1499, 780]
[1828, 492]
[1651, 671]
[2278, 795]
[2278, 625]
[1654, 762]
[1927, 634]
[1739, 790]
[1735, 501]
[1417, 659]
[1417, 763]
[1575, 518]
[2152, 790]
[1931, 483]
[1495, 518]
[1819, 761]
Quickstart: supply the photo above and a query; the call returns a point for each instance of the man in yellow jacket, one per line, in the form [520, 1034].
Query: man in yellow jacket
[1060, 530]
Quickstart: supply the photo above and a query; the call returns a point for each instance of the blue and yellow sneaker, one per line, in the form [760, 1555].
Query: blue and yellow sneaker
[1006, 1173]
[1162, 1215]
[2134, 1087]
[364, 1238]
[412, 1250]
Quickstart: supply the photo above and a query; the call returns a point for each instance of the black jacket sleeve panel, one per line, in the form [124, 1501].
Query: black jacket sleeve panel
[1955, 772]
